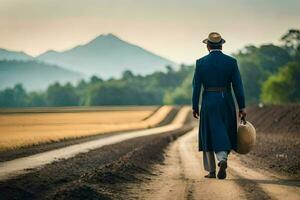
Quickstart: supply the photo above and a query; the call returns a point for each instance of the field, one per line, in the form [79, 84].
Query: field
[27, 127]
[278, 139]
[160, 166]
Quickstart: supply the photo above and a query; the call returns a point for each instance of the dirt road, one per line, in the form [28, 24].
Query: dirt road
[181, 177]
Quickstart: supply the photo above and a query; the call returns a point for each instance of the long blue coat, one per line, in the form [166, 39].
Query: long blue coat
[218, 119]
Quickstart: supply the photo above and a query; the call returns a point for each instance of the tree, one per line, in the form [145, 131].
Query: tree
[58, 95]
[253, 76]
[182, 94]
[95, 79]
[13, 97]
[120, 93]
[292, 40]
[127, 75]
[36, 99]
[283, 87]
[257, 64]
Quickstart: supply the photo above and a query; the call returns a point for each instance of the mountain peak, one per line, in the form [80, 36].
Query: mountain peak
[107, 55]
[13, 55]
[108, 36]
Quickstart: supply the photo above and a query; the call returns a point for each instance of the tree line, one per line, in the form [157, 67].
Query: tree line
[130, 89]
[270, 73]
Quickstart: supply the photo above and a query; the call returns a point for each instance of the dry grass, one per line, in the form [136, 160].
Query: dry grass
[25, 129]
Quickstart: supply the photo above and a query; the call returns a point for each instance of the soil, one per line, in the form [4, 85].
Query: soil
[277, 145]
[99, 174]
[182, 177]
[34, 149]
[161, 167]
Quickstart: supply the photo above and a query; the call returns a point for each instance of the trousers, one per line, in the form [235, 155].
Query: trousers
[209, 159]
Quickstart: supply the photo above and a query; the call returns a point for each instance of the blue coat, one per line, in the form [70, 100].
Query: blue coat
[218, 119]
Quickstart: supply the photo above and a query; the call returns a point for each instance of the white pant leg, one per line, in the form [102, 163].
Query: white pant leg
[209, 161]
[222, 156]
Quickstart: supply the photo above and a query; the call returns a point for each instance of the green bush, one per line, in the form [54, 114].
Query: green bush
[283, 87]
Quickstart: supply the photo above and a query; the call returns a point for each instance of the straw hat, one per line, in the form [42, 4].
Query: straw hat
[214, 38]
[246, 136]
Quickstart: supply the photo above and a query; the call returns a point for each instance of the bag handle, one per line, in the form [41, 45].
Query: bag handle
[243, 120]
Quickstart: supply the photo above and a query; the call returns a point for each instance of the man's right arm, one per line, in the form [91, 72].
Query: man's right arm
[196, 91]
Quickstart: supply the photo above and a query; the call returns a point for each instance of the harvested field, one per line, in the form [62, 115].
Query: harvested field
[31, 127]
[98, 174]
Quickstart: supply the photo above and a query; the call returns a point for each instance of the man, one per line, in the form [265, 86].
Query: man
[217, 73]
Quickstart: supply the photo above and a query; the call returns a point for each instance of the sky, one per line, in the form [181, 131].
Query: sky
[171, 28]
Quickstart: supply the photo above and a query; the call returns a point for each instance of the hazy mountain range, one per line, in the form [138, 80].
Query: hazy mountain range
[13, 55]
[106, 56]
[34, 75]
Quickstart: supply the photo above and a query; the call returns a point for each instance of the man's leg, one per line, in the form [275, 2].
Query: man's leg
[222, 158]
[209, 163]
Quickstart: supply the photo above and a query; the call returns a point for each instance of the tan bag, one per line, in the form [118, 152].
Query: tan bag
[246, 136]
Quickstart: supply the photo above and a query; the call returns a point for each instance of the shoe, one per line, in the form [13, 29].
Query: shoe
[222, 170]
[210, 175]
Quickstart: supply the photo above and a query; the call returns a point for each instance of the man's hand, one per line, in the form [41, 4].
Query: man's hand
[242, 113]
[196, 114]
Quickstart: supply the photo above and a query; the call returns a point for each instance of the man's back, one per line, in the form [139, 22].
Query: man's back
[216, 69]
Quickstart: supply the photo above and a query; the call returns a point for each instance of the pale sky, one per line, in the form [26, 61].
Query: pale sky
[171, 28]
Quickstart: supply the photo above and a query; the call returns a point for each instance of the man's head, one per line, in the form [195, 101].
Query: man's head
[212, 47]
[214, 41]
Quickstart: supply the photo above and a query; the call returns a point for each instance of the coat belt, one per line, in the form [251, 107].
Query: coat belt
[216, 89]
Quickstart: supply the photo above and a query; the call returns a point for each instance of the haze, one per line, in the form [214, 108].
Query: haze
[171, 28]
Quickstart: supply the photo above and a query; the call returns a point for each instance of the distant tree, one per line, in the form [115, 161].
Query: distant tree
[7, 98]
[58, 95]
[36, 99]
[257, 64]
[95, 80]
[253, 76]
[82, 84]
[292, 40]
[19, 95]
[283, 87]
[13, 97]
[81, 90]
[271, 57]
[120, 93]
[127, 75]
[169, 69]
[182, 94]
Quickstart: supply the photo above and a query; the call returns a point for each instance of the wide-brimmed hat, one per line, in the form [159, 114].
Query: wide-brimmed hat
[214, 39]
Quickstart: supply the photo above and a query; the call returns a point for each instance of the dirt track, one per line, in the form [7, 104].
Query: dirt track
[181, 177]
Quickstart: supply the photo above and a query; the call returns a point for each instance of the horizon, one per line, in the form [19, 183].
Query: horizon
[107, 34]
[171, 29]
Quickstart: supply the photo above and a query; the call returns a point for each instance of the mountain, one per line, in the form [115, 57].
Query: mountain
[34, 75]
[107, 56]
[13, 55]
